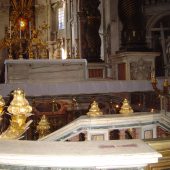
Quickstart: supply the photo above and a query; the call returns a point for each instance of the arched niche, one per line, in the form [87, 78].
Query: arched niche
[157, 32]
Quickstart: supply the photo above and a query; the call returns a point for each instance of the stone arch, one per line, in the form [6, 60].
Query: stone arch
[153, 32]
[155, 18]
[152, 22]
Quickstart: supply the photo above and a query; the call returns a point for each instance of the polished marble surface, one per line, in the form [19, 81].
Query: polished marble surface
[88, 154]
[44, 70]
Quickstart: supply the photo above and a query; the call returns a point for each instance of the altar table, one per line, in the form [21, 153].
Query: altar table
[91, 155]
[45, 70]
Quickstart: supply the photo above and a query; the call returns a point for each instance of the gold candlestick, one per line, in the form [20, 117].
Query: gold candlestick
[30, 53]
[20, 51]
[77, 48]
[10, 50]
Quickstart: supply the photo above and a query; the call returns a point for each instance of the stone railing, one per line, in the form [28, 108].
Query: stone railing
[101, 126]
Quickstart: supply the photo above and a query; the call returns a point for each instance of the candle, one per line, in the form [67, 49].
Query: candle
[10, 29]
[30, 29]
[20, 33]
[20, 29]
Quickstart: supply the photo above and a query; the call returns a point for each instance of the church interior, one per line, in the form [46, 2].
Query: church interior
[85, 82]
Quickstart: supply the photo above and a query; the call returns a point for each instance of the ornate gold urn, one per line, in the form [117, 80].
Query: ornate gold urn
[126, 108]
[43, 127]
[19, 109]
[94, 111]
[19, 105]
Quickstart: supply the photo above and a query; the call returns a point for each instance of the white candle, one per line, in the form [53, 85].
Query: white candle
[10, 29]
[30, 29]
[20, 30]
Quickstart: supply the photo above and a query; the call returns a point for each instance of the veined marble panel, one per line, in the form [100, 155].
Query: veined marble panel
[44, 70]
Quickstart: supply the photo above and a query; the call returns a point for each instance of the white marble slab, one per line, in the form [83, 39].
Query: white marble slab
[78, 87]
[96, 154]
[45, 70]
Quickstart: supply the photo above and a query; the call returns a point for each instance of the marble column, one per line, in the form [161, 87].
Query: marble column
[134, 133]
[138, 133]
[89, 23]
[122, 134]
[82, 40]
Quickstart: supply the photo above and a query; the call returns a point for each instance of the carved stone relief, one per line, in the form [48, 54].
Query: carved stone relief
[140, 70]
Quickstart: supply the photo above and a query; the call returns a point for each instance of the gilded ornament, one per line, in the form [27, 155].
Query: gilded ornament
[43, 127]
[22, 33]
[126, 108]
[19, 105]
[94, 111]
[19, 109]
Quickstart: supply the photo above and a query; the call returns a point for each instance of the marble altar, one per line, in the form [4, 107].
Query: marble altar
[133, 65]
[96, 154]
[45, 70]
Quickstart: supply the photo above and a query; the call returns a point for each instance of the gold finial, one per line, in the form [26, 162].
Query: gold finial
[43, 127]
[19, 104]
[94, 111]
[20, 111]
[126, 108]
